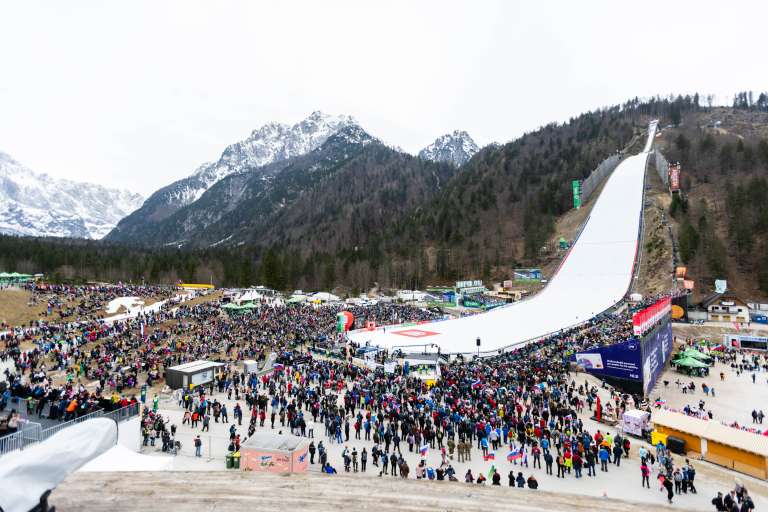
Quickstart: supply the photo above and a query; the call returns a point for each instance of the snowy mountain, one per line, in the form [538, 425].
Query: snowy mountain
[250, 206]
[33, 204]
[455, 148]
[270, 144]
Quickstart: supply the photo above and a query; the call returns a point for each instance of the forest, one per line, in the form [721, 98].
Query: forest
[384, 219]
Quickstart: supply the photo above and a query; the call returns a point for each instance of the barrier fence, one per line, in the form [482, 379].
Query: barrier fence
[662, 167]
[31, 433]
[590, 184]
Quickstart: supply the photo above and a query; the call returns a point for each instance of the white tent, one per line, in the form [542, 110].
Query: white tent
[325, 297]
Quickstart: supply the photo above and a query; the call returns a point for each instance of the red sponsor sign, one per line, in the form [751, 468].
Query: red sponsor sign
[415, 333]
[674, 178]
[646, 318]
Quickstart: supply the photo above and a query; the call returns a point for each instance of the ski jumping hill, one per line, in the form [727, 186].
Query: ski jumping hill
[594, 276]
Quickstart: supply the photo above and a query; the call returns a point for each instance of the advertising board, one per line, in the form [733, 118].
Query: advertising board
[674, 177]
[621, 361]
[576, 184]
[745, 341]
[680, 308]
[202, 377]
[646, 318]
[656, 350]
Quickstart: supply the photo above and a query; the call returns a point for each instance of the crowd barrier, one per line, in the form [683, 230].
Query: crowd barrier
[31, 433]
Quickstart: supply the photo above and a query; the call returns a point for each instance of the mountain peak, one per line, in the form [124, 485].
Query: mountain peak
[36, 204]
[456, 148]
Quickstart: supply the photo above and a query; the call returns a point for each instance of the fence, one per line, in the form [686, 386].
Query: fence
[28, 433]
[606, 167]
[662, 167]
[32, 433]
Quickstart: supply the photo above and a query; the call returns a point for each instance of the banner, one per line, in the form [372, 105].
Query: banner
[674, 178]
[645, 319]
[680, 308]
[657, 347]
[721, 285]
[576, 184]
[621, 360]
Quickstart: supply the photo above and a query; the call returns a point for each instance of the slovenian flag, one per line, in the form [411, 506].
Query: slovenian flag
[278, 366]
[490, 456]
[476, 384]
[514, 455]
[424, 450]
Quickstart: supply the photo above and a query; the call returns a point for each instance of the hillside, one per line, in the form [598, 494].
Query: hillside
[354, 212]
[721, 222]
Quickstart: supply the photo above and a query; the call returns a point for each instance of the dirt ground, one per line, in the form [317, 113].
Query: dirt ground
[14, 309]
[656, 259]
[237, 491]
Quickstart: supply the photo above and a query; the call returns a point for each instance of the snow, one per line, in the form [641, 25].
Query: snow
[134, 305]
[35, 204]
[120, 458]
[271, 143]
[455, 148]
[595, 275]
[129, 303]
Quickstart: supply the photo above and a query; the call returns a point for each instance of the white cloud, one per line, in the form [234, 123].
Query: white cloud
[137, 94]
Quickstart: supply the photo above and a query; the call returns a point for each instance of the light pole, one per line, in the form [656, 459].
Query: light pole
[477, 341]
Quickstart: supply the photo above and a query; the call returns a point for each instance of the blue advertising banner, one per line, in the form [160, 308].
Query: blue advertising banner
[657, 348]
[622, 360]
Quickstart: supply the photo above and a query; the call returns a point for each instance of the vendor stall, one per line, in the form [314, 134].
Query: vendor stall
[274, 453]
[635, 422]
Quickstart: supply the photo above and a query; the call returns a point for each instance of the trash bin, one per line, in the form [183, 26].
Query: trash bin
[230, 461]
[236, 460]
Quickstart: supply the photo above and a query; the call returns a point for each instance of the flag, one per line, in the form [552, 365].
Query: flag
[660, 402]
[491, 471]
[514, 455]
[278, 366]
[424, 450]
[489, 456]
[476, 384]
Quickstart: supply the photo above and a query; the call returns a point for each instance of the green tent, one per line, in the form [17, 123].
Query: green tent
[695, 354]
[689, 362]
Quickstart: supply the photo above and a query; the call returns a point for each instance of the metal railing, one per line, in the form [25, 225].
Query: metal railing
[28, 433]
[32, 433]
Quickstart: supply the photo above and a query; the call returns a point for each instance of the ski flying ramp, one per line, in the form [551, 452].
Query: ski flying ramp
[595, 275]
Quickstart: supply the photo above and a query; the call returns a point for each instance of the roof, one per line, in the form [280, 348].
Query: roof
[713, 431]
[196, 365]
[741, 439]
[714, 297]
[680, 421]
[272, 441]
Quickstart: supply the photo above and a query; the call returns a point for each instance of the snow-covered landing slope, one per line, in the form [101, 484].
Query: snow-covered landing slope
[595, 275]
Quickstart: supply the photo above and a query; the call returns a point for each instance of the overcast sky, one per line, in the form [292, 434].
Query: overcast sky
[138, 94]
